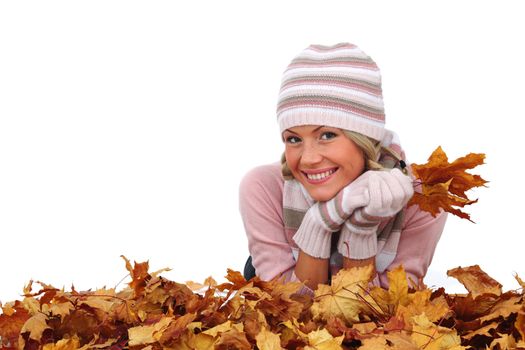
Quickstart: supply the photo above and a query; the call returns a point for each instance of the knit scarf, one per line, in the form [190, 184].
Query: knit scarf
[296, 202]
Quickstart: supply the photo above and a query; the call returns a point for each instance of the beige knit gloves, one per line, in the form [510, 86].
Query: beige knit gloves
[357, 211]
[389, 192]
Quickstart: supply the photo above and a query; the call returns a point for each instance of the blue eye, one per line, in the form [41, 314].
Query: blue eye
[293, 139]
[328, 135]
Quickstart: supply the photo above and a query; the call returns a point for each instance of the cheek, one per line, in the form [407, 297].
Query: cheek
[360, 164]
[292, 158]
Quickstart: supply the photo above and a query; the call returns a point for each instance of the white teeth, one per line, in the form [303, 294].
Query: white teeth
[321, 175]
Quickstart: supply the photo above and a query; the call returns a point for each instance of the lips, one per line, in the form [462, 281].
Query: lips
[318, 176]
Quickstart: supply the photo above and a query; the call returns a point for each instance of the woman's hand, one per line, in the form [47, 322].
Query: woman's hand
[389, 191]
[323, 218]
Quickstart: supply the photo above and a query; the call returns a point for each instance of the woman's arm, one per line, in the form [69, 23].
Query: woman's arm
[260, 204]
[311, 271]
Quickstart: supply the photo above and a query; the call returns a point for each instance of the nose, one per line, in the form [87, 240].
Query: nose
[310, 155]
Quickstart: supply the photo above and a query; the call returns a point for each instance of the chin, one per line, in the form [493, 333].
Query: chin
[322, 196]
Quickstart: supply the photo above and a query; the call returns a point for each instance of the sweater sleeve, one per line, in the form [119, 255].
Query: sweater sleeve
[260, 204]
[417, 244]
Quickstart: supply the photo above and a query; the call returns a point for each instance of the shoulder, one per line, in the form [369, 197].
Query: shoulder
[261, 194]
[265, 178]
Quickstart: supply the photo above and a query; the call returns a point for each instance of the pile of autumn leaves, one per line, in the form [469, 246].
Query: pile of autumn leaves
[156, 313]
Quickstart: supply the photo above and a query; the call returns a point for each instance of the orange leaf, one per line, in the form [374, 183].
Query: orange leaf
[139, 275]
[444, 184]
[475, 280]
[236, 279]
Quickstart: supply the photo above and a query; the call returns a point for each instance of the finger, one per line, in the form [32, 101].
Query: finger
[362, 180]
[406, 184]
[355, 196]
[375, 189]
[388, 197]
[397, 191]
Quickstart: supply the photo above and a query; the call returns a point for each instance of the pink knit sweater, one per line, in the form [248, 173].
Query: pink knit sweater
[272, 249]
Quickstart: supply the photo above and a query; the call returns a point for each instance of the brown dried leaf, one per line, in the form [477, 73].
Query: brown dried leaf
[507, 304]
[35, 326]
[519, 280]
[481, 331]
[267, 315]
[237, 281]
[11, 322]
[233, 339]
[475, 280]
[176, 329]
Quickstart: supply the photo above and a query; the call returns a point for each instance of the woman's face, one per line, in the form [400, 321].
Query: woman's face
[322, 159]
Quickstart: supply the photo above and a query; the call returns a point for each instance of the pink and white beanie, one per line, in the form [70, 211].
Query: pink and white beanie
[337, 86]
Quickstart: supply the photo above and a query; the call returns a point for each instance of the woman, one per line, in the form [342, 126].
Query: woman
[338, 198]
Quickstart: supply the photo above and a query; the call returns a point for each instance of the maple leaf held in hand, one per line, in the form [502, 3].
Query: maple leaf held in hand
[444, 184]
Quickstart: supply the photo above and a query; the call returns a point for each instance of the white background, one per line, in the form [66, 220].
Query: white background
[126, 126]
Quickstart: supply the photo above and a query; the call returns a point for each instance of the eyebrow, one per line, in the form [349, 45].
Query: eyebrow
[314, 130]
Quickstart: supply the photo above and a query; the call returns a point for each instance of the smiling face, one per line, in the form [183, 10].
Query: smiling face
[322, 159]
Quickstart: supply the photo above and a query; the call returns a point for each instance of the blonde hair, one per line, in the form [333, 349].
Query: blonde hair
[371, 149]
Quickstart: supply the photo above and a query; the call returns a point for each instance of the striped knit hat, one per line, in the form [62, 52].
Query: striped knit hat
[337, 86]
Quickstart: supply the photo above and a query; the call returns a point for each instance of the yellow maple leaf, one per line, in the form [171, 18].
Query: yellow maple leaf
[295, 327]
[323, 340]
[429, 336]
[267, 340]
[344, 297]
[397, 294]
[142, 335]
[420, 303]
